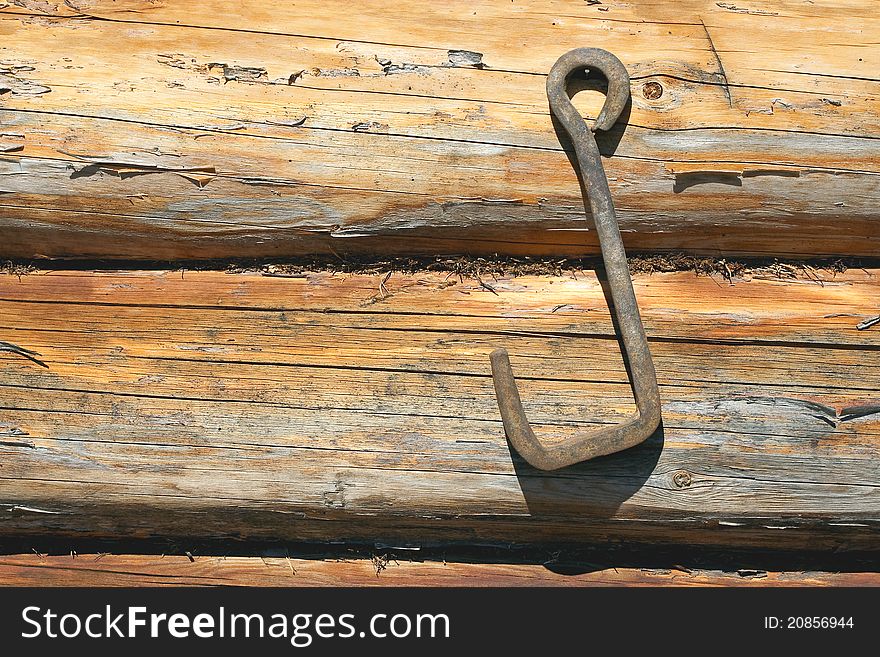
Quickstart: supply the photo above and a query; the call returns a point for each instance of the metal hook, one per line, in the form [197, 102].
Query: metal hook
[637, 428]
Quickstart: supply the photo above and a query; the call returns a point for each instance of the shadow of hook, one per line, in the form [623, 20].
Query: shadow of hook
[624, 307]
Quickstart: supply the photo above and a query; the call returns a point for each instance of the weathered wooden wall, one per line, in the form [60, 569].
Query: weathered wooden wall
[203, 129]
[145, 570]
[336, 406]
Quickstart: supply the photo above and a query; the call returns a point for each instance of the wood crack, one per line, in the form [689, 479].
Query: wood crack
[720, 65]
[24, 353]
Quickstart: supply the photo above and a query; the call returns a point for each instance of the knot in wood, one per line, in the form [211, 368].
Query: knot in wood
[652, 90]
[681, 479]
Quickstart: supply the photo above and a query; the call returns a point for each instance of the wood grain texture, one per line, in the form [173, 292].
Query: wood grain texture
[215, 129]
[145, 570]
[329, 407]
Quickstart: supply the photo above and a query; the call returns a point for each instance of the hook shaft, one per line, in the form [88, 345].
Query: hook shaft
[597, 194]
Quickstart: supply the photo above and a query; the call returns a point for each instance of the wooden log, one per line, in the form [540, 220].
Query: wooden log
[355, 407]
[216, 129]
[149, 570]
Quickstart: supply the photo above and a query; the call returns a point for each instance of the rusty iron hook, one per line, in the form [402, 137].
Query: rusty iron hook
[637, 428]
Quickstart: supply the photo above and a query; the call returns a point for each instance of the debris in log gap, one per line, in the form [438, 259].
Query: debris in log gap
[475, 267]
[16, 268]
[741, 562]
